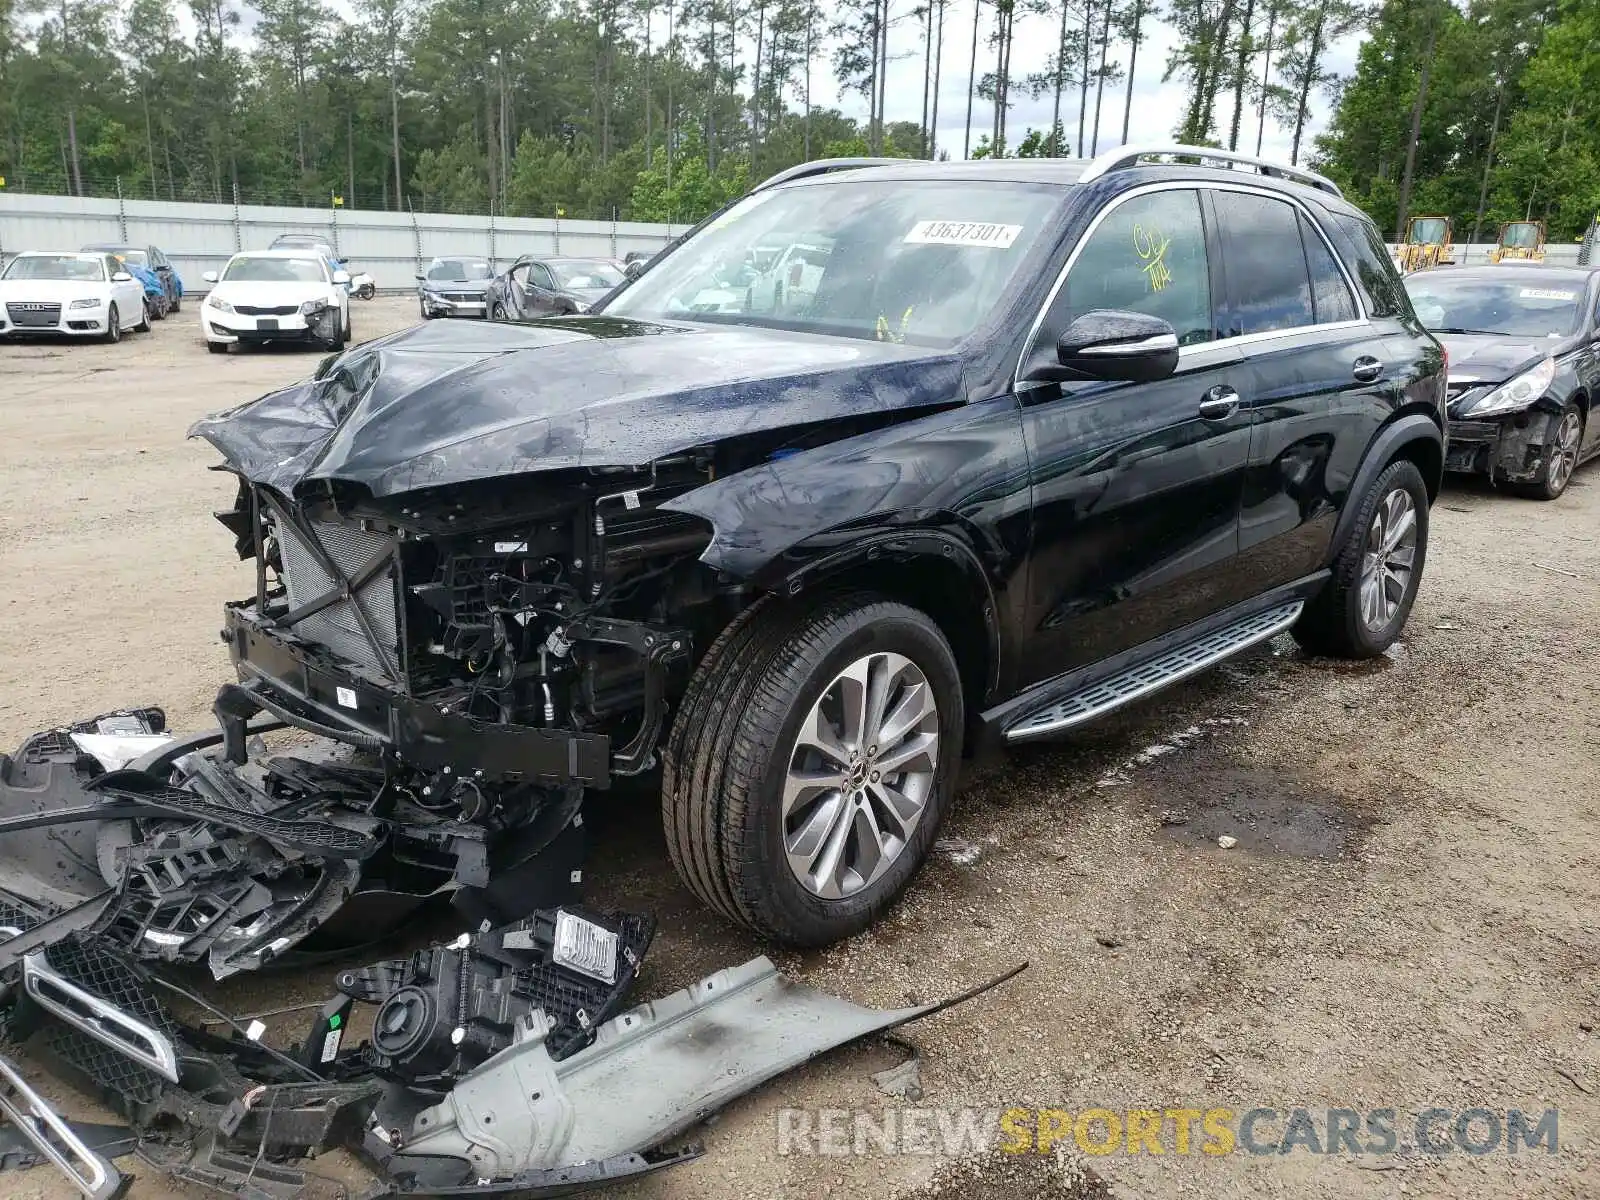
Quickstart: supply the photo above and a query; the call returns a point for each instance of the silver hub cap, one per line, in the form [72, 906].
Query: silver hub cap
[860, 775]
[1390, 557]
[1564, 453]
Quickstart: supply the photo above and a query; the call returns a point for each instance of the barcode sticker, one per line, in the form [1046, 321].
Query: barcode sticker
[330, 1045]
[963, 233]
[346, 697]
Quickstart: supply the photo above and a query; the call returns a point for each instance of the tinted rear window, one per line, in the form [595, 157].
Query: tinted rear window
[1374, 272]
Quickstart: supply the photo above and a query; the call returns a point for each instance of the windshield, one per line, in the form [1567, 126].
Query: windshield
[1448, 303]
[57, 266]
[458, 270]
[925, 263]
[1521, 235]
[1428, 231]
[275, 270]
[586, 275]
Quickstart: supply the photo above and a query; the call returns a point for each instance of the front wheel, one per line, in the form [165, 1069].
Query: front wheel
[1363, 608]
[811, 764]
[497, 313]
[1562, 440]
[113, 325]
[366, 292]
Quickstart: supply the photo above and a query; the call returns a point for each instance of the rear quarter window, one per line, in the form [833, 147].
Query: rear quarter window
[1368, 259]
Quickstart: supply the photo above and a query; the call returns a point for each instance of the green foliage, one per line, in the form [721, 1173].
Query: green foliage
[1512, 116]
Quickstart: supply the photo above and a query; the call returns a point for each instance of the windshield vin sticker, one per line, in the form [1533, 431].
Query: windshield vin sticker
[1546, 294]
[963, 233]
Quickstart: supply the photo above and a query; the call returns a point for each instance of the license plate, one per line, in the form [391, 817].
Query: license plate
[270, 323]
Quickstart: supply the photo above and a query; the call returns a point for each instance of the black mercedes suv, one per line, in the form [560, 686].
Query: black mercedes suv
[1000, 447]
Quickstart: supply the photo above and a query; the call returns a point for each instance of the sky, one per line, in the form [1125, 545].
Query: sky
[1157, 107]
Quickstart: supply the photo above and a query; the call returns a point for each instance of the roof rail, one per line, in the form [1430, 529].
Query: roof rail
[1129, 156]
[822, 166]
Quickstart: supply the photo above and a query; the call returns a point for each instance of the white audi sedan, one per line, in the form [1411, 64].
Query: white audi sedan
[276, 296]
[79, 295]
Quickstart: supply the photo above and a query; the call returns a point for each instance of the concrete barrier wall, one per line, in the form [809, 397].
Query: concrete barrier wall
[389, 246]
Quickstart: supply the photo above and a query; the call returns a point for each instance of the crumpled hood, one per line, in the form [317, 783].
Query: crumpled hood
[1493, 358]
[444, 404]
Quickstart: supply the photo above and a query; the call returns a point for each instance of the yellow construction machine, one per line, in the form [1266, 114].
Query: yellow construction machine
[1520, 241]
[1427, 243]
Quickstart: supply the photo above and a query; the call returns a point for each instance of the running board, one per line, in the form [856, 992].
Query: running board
[54, 1139]
[1156, 673]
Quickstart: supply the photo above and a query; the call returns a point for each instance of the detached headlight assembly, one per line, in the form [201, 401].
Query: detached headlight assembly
[312, 307]
[1517, 392]
[218, 303]
[91, 303]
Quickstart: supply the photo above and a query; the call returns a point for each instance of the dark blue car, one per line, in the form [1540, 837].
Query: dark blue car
[163, 288]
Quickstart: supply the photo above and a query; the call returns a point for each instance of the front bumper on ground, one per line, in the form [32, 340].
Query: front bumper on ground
[300, 683]
[52, 319]
[1509, 447]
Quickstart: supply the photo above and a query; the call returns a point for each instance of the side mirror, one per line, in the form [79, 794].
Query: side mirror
[209, 277]
[122, 277]
[1110, 344]
[341, 277]
[634, 269]
[419, 276]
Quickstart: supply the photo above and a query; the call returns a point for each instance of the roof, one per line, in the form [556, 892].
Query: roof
[1213, 164]
[280, 252]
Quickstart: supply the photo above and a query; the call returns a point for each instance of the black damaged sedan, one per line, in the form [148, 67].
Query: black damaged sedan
[1524, 346]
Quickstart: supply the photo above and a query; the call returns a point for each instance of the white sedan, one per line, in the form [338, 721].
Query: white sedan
[276, 296]
[80, 295]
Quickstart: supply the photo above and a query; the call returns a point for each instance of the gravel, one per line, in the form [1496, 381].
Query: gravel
[1406, 919]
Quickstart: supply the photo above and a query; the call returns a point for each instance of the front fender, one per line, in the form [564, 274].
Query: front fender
[952, 485]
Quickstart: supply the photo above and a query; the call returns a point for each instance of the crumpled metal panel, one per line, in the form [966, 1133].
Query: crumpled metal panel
[651, 1073]
[433, 405]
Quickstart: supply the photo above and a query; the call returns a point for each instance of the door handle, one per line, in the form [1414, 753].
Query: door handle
[1219, 402]
[1366, 368]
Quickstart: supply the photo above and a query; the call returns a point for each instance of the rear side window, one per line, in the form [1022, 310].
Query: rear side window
[1148, 255]
[1330, 294]
[1269, 286]
[1369, 257]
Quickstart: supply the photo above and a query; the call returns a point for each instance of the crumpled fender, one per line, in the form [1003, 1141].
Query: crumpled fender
[926, 487]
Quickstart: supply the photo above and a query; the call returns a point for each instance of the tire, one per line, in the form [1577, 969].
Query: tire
[113, 333]
[1343, 621]
[730, 752]
[145, 319]
[366, 292]
[217, 347]
[1563, 442]
[176, 305]
[497, 313]
[423, 308]
[158, 310]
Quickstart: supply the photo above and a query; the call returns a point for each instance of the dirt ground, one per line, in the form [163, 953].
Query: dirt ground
[1407, 920]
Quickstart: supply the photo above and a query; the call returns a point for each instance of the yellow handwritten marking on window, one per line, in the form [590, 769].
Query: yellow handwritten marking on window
[1151, 247]
[884, 334]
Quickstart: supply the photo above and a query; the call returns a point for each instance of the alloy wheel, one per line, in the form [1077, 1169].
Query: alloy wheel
[1564, 453]
[1390, 556]
[861, 775]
